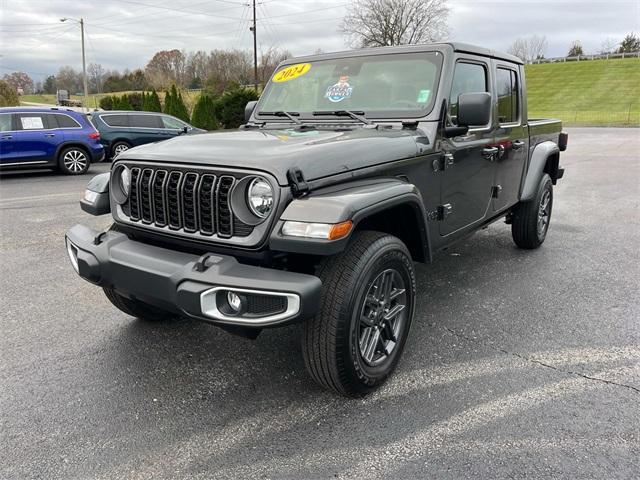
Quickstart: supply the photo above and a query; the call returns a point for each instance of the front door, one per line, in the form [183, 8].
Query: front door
[35, 139]
[468, 176]
[511, 136]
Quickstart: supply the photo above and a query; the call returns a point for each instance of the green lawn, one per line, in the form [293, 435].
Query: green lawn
[597, 92]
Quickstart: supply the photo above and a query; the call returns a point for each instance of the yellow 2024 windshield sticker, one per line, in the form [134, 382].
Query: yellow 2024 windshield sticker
[291, 72]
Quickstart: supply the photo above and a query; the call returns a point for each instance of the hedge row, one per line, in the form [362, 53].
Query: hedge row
[210, 112]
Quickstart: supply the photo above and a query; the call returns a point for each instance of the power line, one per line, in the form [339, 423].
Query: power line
[177, 10]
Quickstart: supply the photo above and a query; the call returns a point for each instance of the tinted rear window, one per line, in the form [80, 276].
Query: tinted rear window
[115, 120]
[146, 121]
[65, 121]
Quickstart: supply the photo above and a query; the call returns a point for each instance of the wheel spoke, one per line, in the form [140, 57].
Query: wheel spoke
[388, 333]
[370, 348]
[394, 312]
[396, 293]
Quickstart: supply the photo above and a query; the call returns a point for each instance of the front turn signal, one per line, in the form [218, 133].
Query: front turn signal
[325, 231]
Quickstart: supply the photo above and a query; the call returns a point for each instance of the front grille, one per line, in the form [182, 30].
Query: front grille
[184, 200]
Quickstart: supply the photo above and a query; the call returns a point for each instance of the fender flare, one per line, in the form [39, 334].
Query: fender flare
[356, 201]
[97, 202]
[539, 157]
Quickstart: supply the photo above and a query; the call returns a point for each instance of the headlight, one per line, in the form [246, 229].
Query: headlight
[125, 180]
[120, 184]
[260, 197]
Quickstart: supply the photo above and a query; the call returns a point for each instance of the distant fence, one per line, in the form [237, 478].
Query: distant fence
[582, 58]
[627, 118]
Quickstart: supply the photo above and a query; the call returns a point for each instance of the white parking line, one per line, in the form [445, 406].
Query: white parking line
[40, 197]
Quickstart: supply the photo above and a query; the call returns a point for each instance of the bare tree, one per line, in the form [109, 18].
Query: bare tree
[269, 60]
[95, 72]
[530, 48]
[377, 23]
[609, 45]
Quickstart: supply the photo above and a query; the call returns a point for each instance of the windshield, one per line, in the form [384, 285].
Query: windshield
[381, 86]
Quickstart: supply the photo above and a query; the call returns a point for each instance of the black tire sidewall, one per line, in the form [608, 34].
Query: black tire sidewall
[393, 254]
[64, 168]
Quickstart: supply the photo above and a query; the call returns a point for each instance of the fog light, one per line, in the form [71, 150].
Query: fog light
[234, 301]
[73, 256]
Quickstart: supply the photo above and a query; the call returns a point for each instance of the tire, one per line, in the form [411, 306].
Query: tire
[136, 308]
[530, 222]
[119, 147]
[336, 343]
[74, 161]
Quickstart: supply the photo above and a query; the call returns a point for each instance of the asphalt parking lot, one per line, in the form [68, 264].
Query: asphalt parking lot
[520, 364]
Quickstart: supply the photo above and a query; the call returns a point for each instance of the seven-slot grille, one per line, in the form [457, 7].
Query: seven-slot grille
[194, 202]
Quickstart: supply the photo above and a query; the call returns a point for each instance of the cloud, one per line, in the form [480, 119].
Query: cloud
[126, 33]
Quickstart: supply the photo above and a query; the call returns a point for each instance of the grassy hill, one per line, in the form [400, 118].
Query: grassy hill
[596, 92]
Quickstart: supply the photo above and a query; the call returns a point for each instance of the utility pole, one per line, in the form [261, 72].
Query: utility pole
[255, 49]
[85, 103]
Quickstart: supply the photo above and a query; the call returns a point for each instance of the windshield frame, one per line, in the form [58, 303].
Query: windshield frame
[391, 115]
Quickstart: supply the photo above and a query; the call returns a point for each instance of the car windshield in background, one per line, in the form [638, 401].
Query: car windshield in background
[381, 86]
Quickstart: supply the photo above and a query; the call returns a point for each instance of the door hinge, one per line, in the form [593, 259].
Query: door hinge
[440, 213]
[443, 163]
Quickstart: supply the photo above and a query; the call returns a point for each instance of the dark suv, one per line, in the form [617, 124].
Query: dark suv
[121, 130]
[350, 168]
[49, 138]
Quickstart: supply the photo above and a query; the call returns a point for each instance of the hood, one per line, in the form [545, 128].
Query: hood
[318, 153]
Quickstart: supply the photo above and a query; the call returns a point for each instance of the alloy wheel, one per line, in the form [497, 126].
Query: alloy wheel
[75, 161]
[119, 149]
[544, 212]
[382, 317]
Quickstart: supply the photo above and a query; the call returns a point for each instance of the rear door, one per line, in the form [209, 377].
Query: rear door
[512, 136]
[466, 182]
[36, 137]
[145, 128]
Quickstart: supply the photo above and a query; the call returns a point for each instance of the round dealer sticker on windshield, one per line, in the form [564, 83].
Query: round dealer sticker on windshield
[339, 91]
[291, 72]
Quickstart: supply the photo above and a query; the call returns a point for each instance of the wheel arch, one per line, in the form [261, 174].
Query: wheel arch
[388, 205]
[544, 159]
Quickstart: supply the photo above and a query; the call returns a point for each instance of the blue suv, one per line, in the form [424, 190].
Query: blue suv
[49, 138]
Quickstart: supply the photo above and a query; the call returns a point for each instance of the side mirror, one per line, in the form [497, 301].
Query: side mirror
[96, 196]
[248, 110]
[185, 129]
[474, 109]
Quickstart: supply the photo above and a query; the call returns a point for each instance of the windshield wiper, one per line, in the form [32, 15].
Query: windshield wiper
[345, 113]
[290, 115]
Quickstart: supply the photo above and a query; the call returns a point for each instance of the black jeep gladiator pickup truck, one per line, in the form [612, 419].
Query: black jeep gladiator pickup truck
[351, 167]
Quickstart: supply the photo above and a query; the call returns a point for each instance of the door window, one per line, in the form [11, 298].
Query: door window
[467, 78]
[508, 104]
[173, 123]
[31, 121]
[145, 121]
[115, 120]
[5, 122]
[65, 121]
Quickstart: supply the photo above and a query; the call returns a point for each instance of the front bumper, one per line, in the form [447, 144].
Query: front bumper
[183, 282]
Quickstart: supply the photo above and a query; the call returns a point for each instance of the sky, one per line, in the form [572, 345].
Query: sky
[126, 33]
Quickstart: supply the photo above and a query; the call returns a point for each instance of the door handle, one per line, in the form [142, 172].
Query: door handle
[490, 153]
[49, 134]
[7, 137]
[517, 145]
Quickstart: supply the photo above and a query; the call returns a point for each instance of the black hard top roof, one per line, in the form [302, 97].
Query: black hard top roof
[456, 46]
